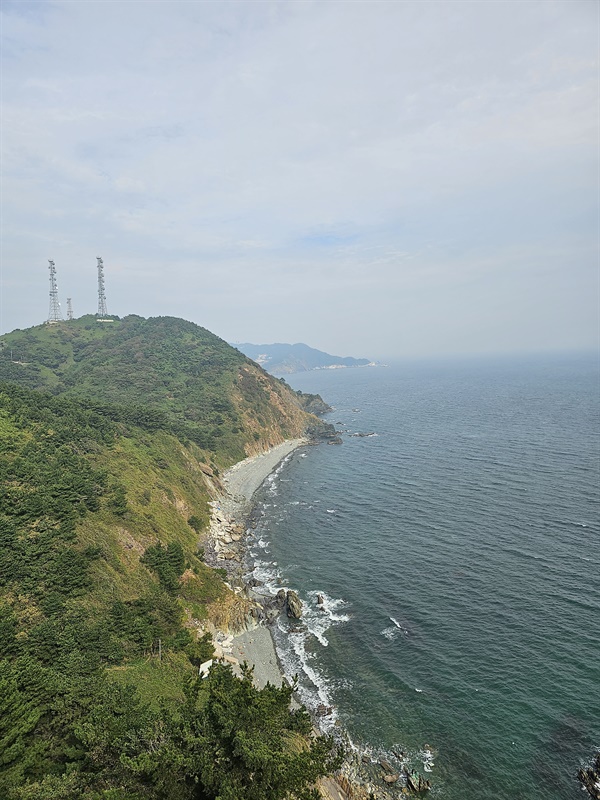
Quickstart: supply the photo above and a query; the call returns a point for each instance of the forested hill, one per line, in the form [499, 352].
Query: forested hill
[106, 468]
[159, 372]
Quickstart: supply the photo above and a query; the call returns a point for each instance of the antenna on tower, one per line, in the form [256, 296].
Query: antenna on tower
[69, 308]
[54, 314]
[102, 312]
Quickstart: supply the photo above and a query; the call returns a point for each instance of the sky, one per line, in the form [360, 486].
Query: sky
[376, 179]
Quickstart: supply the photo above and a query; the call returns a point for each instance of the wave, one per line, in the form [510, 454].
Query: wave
[313, 687]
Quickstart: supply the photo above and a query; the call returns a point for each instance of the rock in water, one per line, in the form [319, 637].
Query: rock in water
[280, 598]
[294, 605]
[590, 778]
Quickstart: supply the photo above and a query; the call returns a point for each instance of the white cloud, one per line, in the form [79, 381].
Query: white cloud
[386, 153]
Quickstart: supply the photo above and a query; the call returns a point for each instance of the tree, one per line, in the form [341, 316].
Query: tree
[232, 741]
[247, 744]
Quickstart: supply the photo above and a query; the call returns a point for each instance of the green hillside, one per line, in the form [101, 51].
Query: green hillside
[161, 372]
[104, 483]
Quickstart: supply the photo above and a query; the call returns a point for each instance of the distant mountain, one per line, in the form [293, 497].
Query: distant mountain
[283, 359]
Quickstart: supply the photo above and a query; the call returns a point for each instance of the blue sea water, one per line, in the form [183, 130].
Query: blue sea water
[456, 553]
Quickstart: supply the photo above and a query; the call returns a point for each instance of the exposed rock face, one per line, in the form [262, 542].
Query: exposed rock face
[273, 606]
[323, 432]
[293, 605]
[314, 404]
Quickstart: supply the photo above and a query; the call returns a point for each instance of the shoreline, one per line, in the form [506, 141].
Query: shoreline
[226, 545]
[231, 509]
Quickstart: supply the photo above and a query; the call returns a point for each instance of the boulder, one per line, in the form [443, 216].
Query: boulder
[391, 778]
[273, 606]
[293, 605]
[298, 629]
[280, 598]
[345, 785]
[323, 711]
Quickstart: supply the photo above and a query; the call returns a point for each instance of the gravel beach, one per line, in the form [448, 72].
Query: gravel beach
[244, 478]
[256, 647]
[241, 482]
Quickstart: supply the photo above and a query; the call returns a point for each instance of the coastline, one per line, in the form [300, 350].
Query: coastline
[225, 546]
[255, 644]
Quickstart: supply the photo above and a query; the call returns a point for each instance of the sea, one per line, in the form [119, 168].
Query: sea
[447, 556]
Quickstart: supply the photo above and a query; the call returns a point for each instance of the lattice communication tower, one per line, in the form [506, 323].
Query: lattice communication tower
[54, 314]
[102, 312]
[69, 308]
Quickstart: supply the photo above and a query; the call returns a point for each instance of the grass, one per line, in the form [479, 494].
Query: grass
[156, 680]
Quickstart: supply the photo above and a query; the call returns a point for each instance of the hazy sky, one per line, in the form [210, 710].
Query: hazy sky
[371, 178]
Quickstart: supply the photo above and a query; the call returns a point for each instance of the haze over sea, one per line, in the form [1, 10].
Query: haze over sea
[457, 552]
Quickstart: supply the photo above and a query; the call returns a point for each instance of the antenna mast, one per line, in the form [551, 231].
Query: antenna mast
[54, 314]
[69, 308]
[102, 312]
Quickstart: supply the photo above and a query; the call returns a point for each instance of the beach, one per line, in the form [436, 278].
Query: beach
[244, 478]
[257, 649]
[229, 512]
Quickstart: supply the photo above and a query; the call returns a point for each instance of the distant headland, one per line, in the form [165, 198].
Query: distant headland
[284, 359]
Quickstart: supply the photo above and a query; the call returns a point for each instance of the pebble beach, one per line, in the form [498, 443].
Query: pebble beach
[230, 511]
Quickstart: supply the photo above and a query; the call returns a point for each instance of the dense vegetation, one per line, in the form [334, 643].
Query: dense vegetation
[158, 373]
[102, 585]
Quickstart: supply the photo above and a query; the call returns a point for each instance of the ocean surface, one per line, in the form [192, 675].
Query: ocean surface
[456, 550]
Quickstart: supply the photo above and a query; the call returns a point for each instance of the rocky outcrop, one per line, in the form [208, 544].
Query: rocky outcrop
[293, 605]
[288, 601]
[590, 778]
[224, 544]
[314, 404]
[323, 432]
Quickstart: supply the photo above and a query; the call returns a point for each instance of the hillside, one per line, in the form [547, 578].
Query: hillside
[284, 359]
[161, 372]
[104, 595]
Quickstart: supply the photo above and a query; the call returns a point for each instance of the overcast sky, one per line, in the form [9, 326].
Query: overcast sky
[371, 178]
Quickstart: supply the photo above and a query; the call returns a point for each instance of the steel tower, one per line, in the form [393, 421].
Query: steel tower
[54, 314]
[69, 308]
[102, 312]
